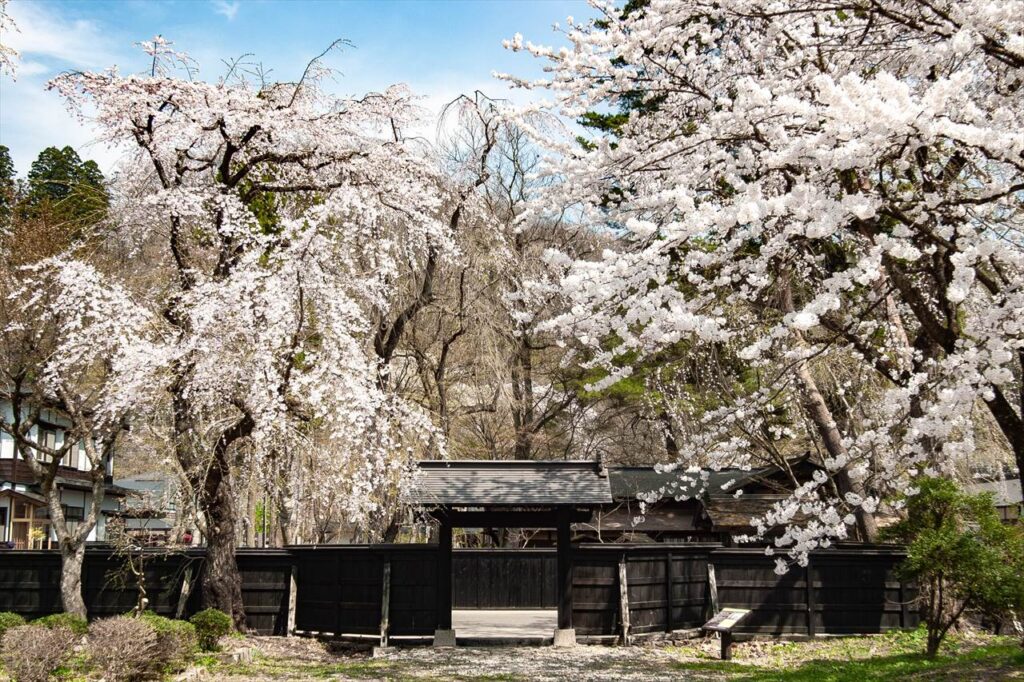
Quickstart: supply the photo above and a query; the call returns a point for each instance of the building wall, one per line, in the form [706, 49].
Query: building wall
[76, 460]
[71, 498]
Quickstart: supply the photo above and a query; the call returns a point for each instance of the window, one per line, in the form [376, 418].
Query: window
[48, 439]
[76, 453]
[73, 515]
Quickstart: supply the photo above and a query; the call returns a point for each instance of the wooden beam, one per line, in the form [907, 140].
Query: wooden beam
[509, 519]
[811, 602]
[726, 646]
[712, 589]
[624, 600]
[444, 577]
[564, 558]
[904, 606]
[385, 605]
[293, 599]
[186, 590]
[669, 625]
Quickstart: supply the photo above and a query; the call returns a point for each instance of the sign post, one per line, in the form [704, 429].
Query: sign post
[723, 623]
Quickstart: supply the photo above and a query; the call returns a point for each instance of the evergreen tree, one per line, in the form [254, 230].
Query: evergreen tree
[7, 187]
[70, 190]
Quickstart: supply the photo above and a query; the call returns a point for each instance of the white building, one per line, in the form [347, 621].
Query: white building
[24, 516]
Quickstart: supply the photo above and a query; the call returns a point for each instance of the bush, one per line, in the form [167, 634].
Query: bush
[961, 555]
[177, 639]
[76, 624]
[10, 620]
[125, 648]
[211, 625]
[32, 653]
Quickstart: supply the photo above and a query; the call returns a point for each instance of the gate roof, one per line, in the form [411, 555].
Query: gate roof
[510, 483]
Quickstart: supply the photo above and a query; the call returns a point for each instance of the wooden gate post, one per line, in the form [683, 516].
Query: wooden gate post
[624, 599]
[565, 635]
[712, 589]
[444, 635]
[811, 604]
[385, 604]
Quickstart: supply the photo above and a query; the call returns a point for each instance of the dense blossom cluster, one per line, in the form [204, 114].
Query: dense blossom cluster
[805, 182]
[98, 330]
[285, 217]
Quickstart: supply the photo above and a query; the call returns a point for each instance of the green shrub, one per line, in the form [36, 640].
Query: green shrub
[10, 620]
[76, 624]
[961, 555]
[177, 639]
[211, 625]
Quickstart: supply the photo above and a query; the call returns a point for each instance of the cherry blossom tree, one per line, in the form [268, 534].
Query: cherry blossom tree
[283, 216]
[78, 350]
[805, 183]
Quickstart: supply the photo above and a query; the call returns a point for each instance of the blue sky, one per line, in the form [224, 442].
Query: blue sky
[439, 48]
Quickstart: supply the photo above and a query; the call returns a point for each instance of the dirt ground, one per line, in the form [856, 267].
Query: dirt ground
[857, 659]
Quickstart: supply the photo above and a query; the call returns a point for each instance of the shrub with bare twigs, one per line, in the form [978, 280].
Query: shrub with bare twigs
[32, 653]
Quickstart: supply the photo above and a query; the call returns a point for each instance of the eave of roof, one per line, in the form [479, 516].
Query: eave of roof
[1004, 493]
[25, 495]
[77, 484]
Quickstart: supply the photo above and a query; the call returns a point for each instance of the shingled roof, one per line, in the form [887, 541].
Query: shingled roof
[509, 483]
[628, 483]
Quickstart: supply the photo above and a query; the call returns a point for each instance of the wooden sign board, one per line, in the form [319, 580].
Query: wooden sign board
[726, 619]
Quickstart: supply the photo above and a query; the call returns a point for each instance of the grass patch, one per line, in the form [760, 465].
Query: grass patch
[992, 662]
[894, 656]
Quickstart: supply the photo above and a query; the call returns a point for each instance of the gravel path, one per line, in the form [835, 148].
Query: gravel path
[304, 659]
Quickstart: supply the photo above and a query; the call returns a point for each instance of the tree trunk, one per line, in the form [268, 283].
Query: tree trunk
[1010, 423]
[284, 519]
[523, 381]
[824, 422]
[72, 557]
[222, 583]
[821, 416]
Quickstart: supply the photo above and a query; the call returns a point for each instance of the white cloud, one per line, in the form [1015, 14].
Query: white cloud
[31, 118]
[37, 119]
[225, 8]
[32, 69]
[43, 33]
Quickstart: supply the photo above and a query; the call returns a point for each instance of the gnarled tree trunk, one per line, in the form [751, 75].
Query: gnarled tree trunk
[222, 583]
[72, 557]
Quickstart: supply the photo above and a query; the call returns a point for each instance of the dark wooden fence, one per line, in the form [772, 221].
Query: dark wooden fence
[342, 589]
[671, 587]
[30, 584]
[618, 590]
[504, 579]
[666, 587]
